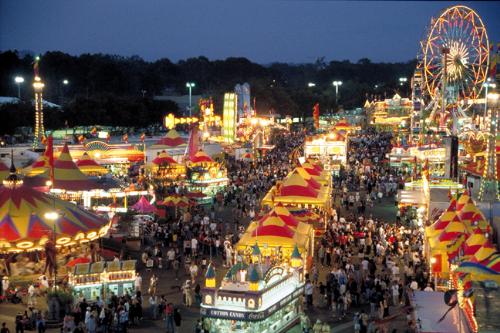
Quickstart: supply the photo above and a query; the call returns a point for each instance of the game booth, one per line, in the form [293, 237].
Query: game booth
[102, 279]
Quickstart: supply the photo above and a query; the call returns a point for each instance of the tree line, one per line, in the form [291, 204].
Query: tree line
[118, 91]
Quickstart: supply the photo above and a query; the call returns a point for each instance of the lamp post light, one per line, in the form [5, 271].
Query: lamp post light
[19, 80]
[65, 83]
[402, 81]
[337, 84]
[190, 86]
[311, 84]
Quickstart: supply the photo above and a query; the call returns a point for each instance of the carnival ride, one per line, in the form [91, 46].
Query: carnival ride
[454, 58]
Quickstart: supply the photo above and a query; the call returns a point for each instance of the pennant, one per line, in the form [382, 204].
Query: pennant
[125, 138]
[93, 131]
[143, 137]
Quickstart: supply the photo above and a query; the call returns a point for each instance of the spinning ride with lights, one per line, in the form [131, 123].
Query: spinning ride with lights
[455, 60]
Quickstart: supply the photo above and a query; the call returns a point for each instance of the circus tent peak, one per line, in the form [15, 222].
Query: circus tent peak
[164, 159]
[201, 157]
[88, 165]
[67, 176]
[172, 139]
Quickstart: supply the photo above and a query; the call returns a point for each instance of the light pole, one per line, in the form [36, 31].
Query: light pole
[190, 86]
[337, 84]
[311, 84]
[487, 84]
[65, 82]
[402, 81]
[19, 80]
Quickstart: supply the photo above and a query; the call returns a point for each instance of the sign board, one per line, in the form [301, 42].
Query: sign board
[251, 315]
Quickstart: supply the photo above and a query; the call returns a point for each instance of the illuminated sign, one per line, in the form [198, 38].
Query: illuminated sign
[254, 315]
[229, 117]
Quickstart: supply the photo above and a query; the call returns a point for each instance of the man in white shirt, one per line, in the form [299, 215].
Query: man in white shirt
[395, 272]
[414, 285]
[194, 246]
[138, 282]
[395, 294]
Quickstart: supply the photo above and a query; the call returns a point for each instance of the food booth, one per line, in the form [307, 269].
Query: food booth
[101, 279]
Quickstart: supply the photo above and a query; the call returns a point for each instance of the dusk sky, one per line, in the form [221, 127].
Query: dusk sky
[263, 31]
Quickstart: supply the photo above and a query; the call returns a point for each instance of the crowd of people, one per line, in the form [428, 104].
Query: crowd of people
[364, 267]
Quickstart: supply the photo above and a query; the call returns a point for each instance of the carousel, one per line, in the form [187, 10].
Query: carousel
[34, 224]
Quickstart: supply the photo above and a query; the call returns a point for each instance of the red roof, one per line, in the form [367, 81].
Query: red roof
[201, 157]
[164, 159]
[172, 139]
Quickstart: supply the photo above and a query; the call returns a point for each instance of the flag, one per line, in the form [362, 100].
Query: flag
[316, 115]
[108, 138]
[125, 138]
[143, 137]
[93, 131]
[193, 143]
[44, 140]
[81, 138]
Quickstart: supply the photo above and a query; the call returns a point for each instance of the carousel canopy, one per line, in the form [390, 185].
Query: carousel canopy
[88, 166]
[172, 139]
[67, 176]
[201, 157]
[26, 225]
[143, 206]
[164, 159]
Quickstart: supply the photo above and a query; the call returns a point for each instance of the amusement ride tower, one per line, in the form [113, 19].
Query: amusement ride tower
[38, 87]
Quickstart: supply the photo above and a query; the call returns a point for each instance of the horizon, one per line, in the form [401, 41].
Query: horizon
[291, 32]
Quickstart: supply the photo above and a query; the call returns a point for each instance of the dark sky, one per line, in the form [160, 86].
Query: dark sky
[263, 31]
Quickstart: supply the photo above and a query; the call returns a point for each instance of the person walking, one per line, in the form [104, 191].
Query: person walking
[169, 318]
[308, 291]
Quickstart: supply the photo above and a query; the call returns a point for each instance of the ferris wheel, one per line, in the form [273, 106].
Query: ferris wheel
[455, 55]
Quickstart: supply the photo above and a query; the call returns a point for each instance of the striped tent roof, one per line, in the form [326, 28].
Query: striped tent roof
[452, 231]
[23, 221]
[67, 176]
[4, 170]
[88, 166]
[164, 159]
[201, 157]
[273, 226]
[295, 185]
[463, 200]
[286, 220]
[311, 169]
[316, 164]
[172, 139]
[39, 166]
[473, 244]
[314, 181]
[446, 217]
[468, 211]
